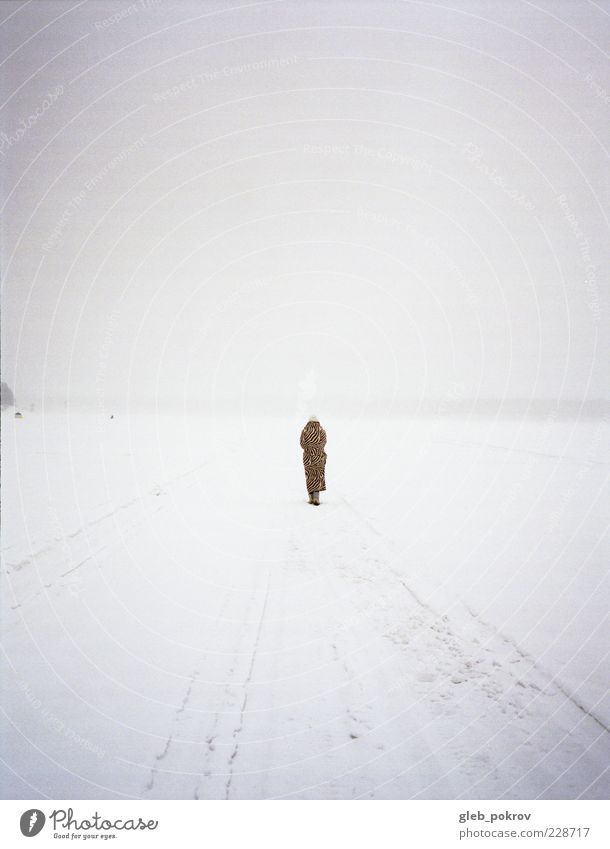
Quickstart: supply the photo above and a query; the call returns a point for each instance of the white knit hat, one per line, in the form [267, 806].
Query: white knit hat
[314, 419]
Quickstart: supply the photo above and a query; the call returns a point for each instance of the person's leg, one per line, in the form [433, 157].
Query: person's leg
[316, 497]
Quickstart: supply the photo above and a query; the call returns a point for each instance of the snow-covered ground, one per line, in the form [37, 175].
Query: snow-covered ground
[179, 623]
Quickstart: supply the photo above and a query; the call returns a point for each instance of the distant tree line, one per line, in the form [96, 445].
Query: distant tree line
[7, 399]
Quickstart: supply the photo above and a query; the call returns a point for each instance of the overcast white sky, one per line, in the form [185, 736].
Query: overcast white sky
[304, 203]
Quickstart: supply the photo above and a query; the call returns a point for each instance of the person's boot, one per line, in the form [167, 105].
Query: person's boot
[316, 499]
[311, 497]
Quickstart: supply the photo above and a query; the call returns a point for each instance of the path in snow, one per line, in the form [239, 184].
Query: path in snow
[347, 686]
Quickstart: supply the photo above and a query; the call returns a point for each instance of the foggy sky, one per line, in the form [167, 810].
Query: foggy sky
[301, 205]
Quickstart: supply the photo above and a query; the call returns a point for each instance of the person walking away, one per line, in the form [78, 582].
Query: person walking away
[313, 442]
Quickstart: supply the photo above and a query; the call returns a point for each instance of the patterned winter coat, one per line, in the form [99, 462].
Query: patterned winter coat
[313, 440]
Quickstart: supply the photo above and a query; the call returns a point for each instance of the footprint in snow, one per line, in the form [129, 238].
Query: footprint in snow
[426, 677]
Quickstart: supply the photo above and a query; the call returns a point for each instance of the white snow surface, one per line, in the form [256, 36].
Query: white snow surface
[179, 623]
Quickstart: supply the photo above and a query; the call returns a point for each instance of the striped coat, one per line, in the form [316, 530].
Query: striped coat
[313, 440]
